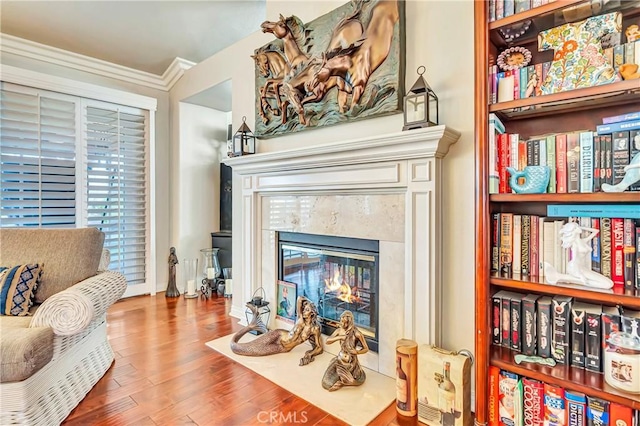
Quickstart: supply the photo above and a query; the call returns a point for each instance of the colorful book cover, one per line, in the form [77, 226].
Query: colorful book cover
[555, 413]
[516, 323]
[620, 155]
[576, 408]
[495, 243]
[503, 163]
[525, 238]
[496, 318]
[620, 415]
[533, 403]
[573, 162]
[597, 411]
[638, 258]
[506, 244]
[534, 239]
[595, 246]
[606, 146]
[596, 163]
[605, 246]
[508, 382]
[551, 162]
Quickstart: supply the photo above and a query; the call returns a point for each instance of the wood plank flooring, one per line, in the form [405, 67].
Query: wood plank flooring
[163, 373]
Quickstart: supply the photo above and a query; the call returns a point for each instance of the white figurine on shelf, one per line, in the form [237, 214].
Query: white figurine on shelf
[579, 264]
[631, 173]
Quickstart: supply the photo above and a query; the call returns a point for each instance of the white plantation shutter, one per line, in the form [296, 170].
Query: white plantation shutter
[116, 177]
[37, 158]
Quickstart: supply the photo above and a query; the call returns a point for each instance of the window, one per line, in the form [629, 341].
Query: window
[72, 162]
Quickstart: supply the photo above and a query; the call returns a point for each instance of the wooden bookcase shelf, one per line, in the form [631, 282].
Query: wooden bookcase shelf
[570, 111]
[576, 379]
[628, 298]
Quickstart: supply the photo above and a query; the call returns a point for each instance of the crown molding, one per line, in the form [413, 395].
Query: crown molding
[41, 52]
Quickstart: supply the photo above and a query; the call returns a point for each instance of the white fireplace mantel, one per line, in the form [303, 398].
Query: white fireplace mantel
[385, 187]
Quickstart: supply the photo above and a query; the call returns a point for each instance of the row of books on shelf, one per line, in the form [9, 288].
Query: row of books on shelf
[579, 161]
[571, 332]
[528, 81]
[517, 400]
[522, 244]
[499, 9]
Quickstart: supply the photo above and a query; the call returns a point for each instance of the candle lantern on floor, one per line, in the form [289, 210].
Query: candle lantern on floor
[211, 271]
[264, 312]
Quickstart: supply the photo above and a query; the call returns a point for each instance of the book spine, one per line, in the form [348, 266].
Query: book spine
[561, 307]
[544, 326]
[554, 406]
[534, 237]
[577, 337]
[595, 246]
[492, 10]
[506, 243]
[605, 246]
[516, 323]
[634, 150]
[586, 162]
[533, 402]
[618, 57]
[617, 251]
[525, 235]
[503, 162]
[596, 164]
[517, 242]
[561, 163]
[629, 253]
[551, 162]
[522, 5]
[597, 411]
[620, 415]
[573, 163]
[506, 321]
[620, 150]
[529, 325]
[496, 307]
[495, 243]
[508, 383]
[576, 408]
[638, 258]
[604, 129]
[629, 211]
[608, 159]
[494, 396]
[593, 341]
[624, 117]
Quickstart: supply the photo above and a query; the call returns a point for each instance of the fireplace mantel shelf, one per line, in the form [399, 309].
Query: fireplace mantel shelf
[420, 143]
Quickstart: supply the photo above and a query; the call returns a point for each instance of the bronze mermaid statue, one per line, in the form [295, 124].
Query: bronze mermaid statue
[278, 341]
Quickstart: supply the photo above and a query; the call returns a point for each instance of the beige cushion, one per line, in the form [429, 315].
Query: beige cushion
[23, 350]
[68, 255]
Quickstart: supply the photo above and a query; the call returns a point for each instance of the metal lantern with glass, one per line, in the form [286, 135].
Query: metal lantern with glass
[211, 271]
[262, 308]
[420, 104]
[244, 143]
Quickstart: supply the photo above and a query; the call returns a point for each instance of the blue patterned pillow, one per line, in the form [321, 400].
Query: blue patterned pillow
[17, 285]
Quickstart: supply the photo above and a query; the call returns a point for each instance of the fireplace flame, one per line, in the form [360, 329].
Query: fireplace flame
[342, 288]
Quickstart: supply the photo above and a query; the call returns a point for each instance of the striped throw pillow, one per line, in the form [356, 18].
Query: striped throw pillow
[17, 285]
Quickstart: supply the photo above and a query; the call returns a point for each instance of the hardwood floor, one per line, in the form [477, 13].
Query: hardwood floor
[163, 373]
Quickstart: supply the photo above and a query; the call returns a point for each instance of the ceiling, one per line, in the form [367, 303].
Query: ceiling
[145, 35]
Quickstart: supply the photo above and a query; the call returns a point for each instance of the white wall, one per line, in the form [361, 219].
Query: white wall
[439, 35]
[203, 132]
[161, 135]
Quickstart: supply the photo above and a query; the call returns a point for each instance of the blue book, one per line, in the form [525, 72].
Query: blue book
[605, 129]
[628, 211]
[624, 117]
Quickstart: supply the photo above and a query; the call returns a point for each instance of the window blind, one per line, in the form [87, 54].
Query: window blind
[37, 159]
[117, 185]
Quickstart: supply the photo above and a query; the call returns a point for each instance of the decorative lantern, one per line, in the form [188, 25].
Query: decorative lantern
[244, 143]
[420, 105]
[264, 311]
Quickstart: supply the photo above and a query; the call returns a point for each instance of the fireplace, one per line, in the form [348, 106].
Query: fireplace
[337, 274]
[385, 188]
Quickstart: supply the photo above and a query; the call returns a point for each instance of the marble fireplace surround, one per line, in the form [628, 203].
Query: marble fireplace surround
[386, 188]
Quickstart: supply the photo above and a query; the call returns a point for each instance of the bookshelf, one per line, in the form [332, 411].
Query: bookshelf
[570, 111]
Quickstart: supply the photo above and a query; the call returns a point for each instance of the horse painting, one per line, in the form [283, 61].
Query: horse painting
[343, 66]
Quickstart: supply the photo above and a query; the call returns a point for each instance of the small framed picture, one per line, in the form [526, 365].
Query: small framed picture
[287, 296]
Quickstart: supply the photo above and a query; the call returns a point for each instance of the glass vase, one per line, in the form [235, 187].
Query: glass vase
[190, 277]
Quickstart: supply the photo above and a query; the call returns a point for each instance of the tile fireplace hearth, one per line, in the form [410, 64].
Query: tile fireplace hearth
[385, 188]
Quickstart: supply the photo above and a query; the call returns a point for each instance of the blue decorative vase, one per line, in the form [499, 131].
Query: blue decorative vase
[536, 179]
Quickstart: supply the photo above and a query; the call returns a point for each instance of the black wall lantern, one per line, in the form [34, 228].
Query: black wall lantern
[420, 105]
[244, 142]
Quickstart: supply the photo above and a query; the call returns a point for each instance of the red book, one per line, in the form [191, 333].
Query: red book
[503, 163]
[629, 254]
[533, 402]
[494, 395]
[617, 251]
[561, 163]
[620, 415]
[555, 413]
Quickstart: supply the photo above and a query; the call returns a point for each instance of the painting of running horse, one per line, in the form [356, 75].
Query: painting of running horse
[344, 66]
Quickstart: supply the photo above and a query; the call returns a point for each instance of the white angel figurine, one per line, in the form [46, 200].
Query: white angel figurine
[579, 264]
